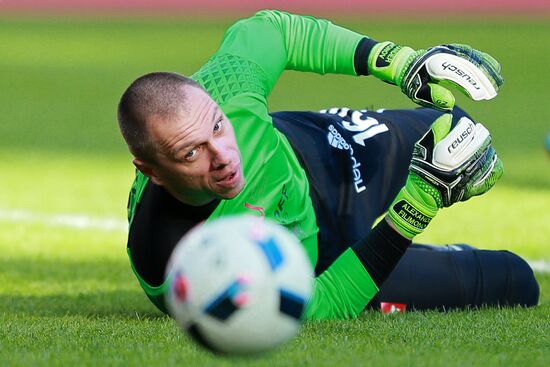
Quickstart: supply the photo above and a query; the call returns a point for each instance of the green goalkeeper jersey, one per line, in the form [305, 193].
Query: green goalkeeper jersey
[239, 77]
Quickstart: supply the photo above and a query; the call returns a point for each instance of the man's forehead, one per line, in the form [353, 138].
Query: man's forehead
[187, 124]
[198, 103]
[195, 105]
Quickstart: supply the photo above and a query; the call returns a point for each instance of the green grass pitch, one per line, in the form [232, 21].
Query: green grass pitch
[67, 295]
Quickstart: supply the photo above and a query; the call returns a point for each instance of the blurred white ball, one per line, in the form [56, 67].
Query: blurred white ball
[239, 284]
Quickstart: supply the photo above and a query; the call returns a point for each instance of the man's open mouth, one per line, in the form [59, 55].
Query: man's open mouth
[229, 179]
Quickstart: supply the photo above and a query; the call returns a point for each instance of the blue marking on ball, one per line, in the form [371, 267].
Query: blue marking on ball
[547, 143]
[223, 305]
[291, 304]
[272, 252]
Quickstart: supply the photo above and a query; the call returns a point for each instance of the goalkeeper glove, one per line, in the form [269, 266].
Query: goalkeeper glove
[422, 74]
[447, 166]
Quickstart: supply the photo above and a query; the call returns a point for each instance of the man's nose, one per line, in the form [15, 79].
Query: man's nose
[220, 155]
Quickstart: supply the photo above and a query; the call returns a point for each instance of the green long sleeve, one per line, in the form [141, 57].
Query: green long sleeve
[276, 41]
[342, 291]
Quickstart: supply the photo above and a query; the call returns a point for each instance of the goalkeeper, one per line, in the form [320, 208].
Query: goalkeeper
[206, 147]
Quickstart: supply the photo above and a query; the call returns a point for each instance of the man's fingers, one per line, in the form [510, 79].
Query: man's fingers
[441, 127]
[442, 98]
[435, 96]
[486, 178]
[474, 73]
[466, 75]
[492, 61]
[492, 173]
[462, 147]
[482, 165]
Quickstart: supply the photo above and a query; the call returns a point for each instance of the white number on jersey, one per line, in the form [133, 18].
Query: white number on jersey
[358, 121]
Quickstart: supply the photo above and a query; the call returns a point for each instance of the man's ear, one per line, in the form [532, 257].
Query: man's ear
[148, 170]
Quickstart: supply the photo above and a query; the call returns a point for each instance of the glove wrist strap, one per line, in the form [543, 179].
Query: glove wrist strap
[409, 214]
[362, 52]
[387, 61]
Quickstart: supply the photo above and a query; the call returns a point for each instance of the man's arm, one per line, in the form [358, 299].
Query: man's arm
[274, 41]
[347, 286]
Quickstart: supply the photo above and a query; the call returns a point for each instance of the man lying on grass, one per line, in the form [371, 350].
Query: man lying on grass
[205, 146]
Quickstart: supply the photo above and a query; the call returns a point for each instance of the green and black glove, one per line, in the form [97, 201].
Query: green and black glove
[424, 75]
[447, 166]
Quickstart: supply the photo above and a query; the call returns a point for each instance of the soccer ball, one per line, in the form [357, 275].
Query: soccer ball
[239, 284]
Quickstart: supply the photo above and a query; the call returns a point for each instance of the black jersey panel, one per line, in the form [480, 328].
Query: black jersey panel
[160, 222]
[356, 162]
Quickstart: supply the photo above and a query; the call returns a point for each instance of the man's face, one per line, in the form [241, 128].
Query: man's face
[197, 158]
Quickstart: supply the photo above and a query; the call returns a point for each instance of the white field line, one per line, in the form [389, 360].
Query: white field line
[77, 221]
[107, 224]
[540, 266]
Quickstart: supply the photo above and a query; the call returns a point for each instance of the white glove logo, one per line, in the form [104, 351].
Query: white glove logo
[460, 139]
[460, 73]
[460, 145]
[465, 74]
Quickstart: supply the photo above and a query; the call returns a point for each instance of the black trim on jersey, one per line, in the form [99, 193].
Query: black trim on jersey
[381, 250]
[160, 222]
[360, 60]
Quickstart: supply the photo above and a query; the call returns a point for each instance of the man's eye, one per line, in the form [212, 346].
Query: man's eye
[191, 154]
[218, 126]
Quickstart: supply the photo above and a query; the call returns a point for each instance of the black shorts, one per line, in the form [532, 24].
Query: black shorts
[458, 276]
[356, 162]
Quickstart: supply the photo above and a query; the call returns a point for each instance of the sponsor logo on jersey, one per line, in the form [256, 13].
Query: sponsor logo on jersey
[258, 209]
[280, 212]
[336, 140]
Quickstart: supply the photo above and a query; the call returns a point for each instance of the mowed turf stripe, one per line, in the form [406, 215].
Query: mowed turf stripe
[67, 220]
[540, 266]
[109, 224]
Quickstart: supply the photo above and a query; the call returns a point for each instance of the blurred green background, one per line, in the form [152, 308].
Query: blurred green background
[67, 295]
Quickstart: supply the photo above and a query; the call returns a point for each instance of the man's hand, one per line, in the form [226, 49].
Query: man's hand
[422, 74]
[447, 166]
